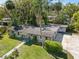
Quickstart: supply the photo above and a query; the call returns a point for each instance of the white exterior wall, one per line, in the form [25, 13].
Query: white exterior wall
[62, 29]
[40, 39]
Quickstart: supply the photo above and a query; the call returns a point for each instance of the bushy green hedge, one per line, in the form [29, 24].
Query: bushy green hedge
[53, 47]
[75, 21]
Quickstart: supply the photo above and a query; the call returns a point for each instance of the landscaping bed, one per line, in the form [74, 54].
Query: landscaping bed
[6, 44]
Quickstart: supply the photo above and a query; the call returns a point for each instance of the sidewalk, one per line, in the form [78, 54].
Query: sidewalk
[7, 54]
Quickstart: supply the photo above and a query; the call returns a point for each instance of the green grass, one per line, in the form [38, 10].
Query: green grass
[27, 51]
[33, 52]
[7, 44]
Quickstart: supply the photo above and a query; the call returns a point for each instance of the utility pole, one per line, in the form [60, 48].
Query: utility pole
[40, 19]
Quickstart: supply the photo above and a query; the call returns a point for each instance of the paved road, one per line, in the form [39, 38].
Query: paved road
[71, 44]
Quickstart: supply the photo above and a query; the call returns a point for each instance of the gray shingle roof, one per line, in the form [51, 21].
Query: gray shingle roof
[48, 31]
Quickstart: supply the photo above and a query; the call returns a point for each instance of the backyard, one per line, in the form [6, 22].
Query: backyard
[32, 51]
[7, 44]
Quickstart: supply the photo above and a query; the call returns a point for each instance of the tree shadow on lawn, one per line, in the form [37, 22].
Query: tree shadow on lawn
[0, 38]
[58, 55]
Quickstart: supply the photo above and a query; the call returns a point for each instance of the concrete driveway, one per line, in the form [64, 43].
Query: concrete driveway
[71, 44]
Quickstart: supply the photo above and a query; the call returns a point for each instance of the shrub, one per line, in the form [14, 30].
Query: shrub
[9, 57]
[70, 28]
[53, 47]
[75, 22]
[14, 55]
[2, 29]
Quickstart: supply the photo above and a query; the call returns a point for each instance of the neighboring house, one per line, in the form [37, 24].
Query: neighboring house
[51, 17]
[5, 21]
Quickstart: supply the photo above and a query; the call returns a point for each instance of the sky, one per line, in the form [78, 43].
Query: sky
[67, 1]
[2, 1]
[63, 1]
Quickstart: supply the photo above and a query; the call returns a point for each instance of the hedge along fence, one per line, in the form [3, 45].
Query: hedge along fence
[55, 48]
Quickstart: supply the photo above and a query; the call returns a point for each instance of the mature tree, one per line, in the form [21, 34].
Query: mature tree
[61, 19]
[70, 9]
[75, 21]
[10, 5]
[66, 13]
[20, 12]
[57, 7]
[2, 12]
[29, 10]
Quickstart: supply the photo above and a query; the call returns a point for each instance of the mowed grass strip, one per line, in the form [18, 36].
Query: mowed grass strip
[6, 44]
[33, 52]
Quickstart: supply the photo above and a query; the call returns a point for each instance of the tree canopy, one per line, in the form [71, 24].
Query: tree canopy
[75, 21]
[10, 5]
[36, 12]
[70, 9]
[27, 11]
[2, 12]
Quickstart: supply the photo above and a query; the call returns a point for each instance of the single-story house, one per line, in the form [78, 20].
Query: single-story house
[46, 32]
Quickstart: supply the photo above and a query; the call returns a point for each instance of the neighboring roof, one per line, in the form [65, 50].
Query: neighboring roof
[59, 25]
[1, 26]
[5, 20]
[51, 16]
[36, 31]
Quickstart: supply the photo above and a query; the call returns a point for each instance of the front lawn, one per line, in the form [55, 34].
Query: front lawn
[33, 52]
[7, 44]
